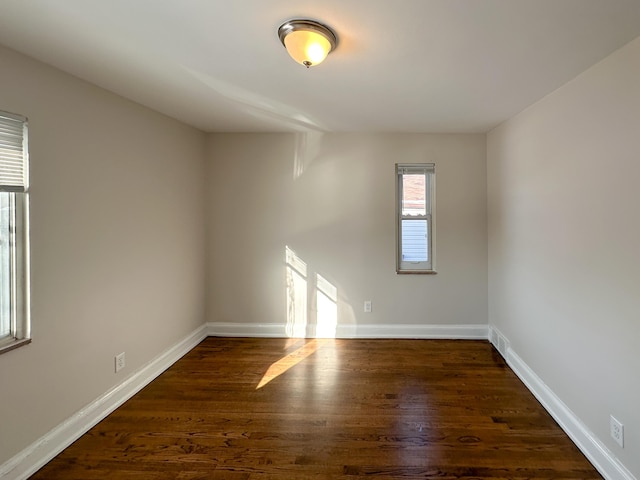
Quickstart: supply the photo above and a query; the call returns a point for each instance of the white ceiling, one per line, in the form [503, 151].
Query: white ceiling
[400, 66]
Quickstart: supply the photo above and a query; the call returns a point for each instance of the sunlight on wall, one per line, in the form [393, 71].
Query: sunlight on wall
[303, 321]
[327, 308]
[296, 295]
[307, 149]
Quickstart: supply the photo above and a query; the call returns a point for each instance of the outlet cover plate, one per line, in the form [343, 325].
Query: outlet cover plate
[617, 431]
[120, 362]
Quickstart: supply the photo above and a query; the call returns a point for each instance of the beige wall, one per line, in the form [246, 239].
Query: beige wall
[331, 199]
[117, 244]
[564, 234]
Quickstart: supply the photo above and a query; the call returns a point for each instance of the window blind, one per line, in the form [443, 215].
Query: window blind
[409, 169]
[13, 154]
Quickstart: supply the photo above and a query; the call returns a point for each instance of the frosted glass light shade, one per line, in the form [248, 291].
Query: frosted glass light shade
[306, 41]
[307, 48]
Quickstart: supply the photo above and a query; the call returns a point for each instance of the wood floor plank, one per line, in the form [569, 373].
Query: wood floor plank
[272, 409]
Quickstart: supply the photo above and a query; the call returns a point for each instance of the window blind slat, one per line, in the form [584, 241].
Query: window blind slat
[11, 129]
[13, 172]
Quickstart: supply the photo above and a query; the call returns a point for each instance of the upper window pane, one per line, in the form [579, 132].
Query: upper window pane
[414, 195]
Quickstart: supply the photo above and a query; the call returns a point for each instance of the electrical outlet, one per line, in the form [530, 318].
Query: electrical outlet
[367, 306]
[617, 431]
[120, 362]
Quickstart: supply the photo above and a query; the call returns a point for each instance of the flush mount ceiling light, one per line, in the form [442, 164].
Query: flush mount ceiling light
[307, 42]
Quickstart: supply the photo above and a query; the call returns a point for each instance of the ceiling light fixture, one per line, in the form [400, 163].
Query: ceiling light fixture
[308, 42]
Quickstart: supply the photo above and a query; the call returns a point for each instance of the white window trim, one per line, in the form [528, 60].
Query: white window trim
[18, 185]
[407, 267]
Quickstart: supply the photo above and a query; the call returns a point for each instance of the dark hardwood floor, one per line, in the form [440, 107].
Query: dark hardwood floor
[271, 409]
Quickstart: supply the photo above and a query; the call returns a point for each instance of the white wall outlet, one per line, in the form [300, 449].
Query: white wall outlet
[367, 306]
[120, 362]
[617, 431]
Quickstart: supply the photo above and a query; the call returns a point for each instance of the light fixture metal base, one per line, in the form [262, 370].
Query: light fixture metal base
[309, 25]
[304, 24]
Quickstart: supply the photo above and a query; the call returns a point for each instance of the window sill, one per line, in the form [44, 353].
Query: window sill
[12, 344]
[416, 272]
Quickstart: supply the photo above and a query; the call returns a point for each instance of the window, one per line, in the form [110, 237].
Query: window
[14, 241]
[415, 217]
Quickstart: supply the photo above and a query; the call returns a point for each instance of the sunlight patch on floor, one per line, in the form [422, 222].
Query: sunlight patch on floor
[291, 360]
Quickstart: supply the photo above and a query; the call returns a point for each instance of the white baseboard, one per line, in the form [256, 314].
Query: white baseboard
[35, 456]
[273, 330]
[262, 330]
[598, 454]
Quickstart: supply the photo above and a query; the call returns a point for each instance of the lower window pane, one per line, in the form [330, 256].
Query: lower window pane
[414, 241]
